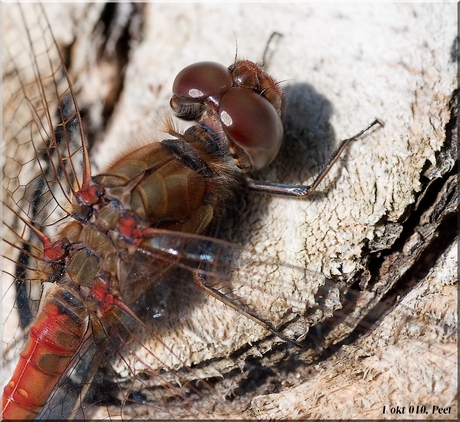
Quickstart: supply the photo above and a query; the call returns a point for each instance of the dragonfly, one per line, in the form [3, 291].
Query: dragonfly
[115, 249]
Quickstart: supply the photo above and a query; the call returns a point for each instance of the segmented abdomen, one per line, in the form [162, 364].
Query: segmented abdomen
[54, 338]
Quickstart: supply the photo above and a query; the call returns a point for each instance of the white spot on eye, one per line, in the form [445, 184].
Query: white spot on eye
[226, 119]
[195, 93]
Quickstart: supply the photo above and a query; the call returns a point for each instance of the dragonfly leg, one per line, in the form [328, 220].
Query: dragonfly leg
[302, 191]
[237, 305]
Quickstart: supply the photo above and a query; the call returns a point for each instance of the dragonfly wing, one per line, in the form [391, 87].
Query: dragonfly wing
[239, 277]
[54, 158]
[44, 151]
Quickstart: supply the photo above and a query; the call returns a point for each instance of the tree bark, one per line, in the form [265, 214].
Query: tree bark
[382, 224]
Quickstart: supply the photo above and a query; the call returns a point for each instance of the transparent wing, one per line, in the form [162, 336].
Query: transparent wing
[44, 151]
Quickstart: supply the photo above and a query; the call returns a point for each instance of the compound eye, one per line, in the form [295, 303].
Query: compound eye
[253, 124]
[201, 80]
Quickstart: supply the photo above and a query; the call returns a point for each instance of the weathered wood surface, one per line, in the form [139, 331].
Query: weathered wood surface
[384, 216]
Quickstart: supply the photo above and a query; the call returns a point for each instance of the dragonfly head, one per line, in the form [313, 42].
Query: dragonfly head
[242, 101]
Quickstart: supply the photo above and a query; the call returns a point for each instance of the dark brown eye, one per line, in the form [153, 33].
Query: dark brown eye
[203, 79]
[253, 124]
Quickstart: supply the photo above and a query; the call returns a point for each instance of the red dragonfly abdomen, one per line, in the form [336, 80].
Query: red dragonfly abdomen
[55, 336]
